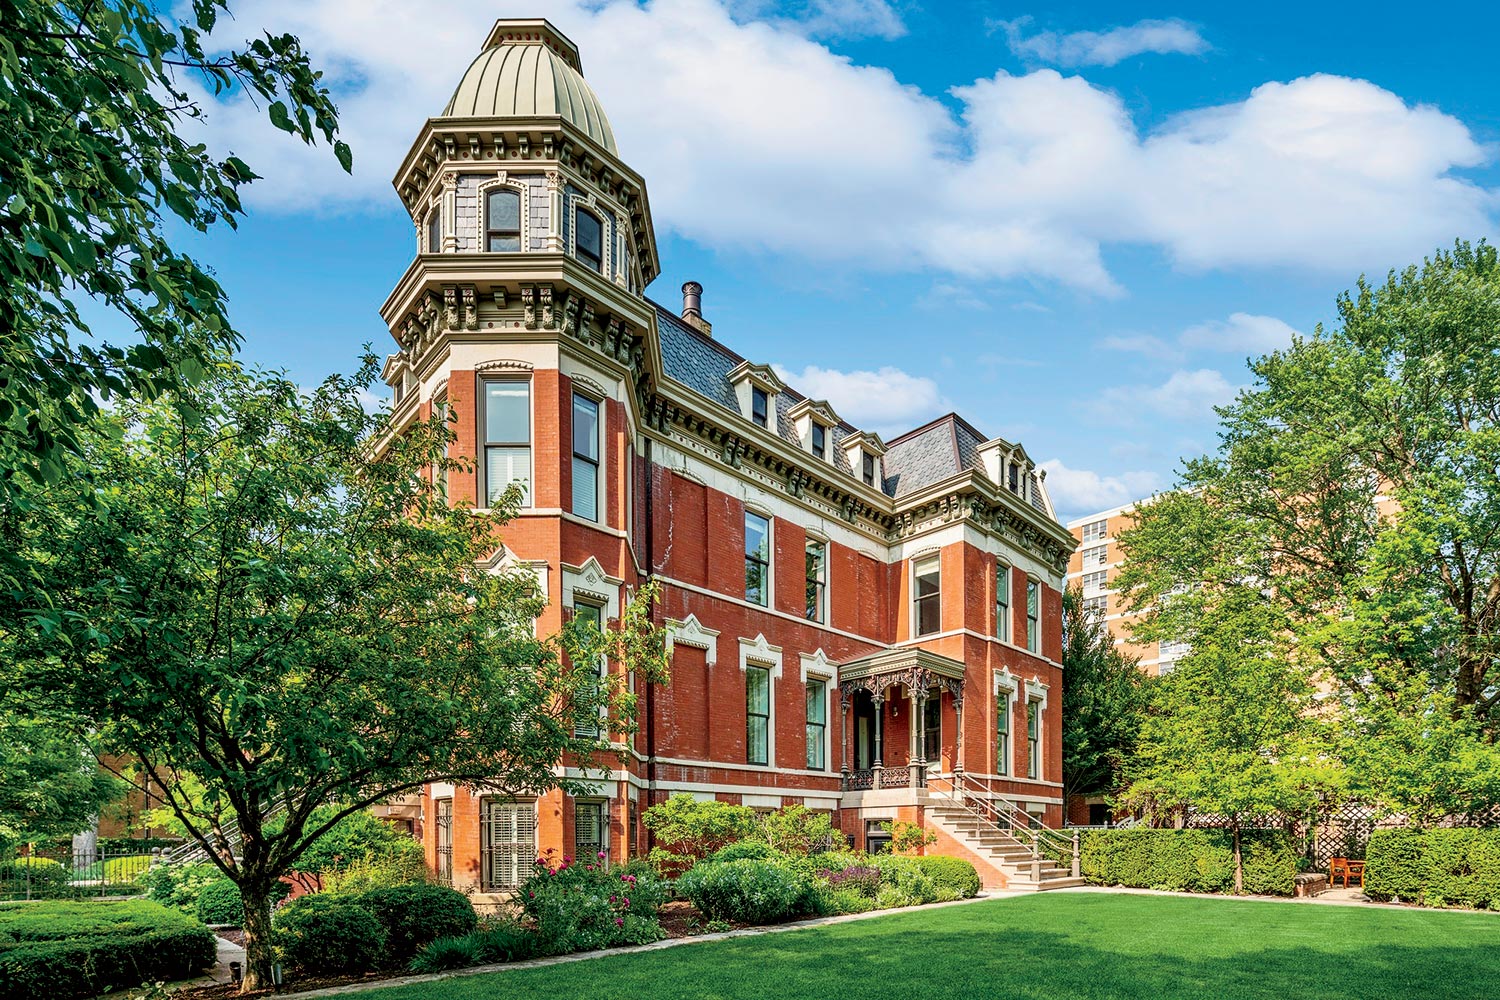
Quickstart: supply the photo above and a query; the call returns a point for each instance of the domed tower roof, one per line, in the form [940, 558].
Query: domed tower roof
[529, 68]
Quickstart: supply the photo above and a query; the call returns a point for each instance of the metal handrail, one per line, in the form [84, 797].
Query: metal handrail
[965, 792]
[226, 835]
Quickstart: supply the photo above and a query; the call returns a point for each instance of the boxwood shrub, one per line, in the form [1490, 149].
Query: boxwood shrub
[1450, 867]
[953, 874]
[1189, 860]
[329, 934]
[67, 950]
[219, 902]
[417, 914]
[749, 892]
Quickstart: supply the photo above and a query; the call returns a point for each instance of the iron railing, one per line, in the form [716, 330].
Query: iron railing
[66, 873]
[1043, 842]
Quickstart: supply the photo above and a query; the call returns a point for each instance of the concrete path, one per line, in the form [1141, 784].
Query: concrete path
[228, 952]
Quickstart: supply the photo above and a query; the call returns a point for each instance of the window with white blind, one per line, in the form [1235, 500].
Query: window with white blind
[588, 723]
[927, 600]
[590, 823]
[585, 457]
[506, 422]
[1033, 615]
[1098, 555]
[1095, 531]
[507, 843]
[1096, 581]
[1096, 606]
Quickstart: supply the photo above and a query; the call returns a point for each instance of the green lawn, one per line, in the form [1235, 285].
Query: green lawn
[1055, 946]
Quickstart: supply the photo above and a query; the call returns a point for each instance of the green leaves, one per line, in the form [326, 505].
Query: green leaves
[94, 162]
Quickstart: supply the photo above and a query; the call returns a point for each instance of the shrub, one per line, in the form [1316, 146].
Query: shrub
[68, 950]
[750, 892]
[368, 874]
[908, 838]
[34, 878]
[903, 883]
[417, 914]
[360, 836]
[1188, 860]
[220, 903]
[579, 907]
[754, 850]
[125, 870]
[688, 829]
[1447, 867]
[329, 934]
[796, 830]
[495, 941]
[951, 874]
[859, 879]
[179, 885]
[848, 901]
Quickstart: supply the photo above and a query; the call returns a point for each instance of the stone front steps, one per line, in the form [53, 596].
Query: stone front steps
[1004, 852]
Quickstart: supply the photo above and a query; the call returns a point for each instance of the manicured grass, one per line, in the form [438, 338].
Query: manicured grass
[1059, 946]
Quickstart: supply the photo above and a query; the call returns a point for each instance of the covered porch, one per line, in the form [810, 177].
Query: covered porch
[901, 710]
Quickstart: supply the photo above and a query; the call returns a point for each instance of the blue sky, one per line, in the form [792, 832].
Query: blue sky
[1070, 224]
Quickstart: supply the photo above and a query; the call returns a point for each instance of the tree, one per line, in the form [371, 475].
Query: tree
[95, 163]
[273, 611]
[50, 783]
[1231, 729]
[1102, 702]
[1359, 480]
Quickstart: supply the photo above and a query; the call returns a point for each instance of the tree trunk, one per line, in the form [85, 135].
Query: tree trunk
[256, 895]
[1239, 863]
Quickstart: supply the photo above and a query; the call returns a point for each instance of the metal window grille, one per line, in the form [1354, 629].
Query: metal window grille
[590, 820]
[507, 843]
[444, 826]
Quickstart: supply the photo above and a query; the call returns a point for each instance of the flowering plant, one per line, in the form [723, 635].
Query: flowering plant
[581, 906]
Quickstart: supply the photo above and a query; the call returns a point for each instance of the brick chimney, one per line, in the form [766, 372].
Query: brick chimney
[692, 309]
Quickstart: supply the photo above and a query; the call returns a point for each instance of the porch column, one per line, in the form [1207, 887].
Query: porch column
[879, 700]
[844, 707]
[919, 761]
[958, 737]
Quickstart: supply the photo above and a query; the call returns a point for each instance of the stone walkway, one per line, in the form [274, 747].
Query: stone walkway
[228, 952]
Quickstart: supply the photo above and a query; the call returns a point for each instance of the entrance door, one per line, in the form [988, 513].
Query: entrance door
[864, 731]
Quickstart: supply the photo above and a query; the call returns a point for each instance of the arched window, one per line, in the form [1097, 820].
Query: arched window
[435, 232]
[502, 221]
[589, 233]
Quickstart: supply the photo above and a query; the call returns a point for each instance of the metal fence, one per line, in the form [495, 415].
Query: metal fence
[68, 874]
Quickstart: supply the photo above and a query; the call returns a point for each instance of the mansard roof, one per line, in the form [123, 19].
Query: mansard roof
[915, 460]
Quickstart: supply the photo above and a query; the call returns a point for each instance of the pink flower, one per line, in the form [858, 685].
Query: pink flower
[627, 903]
[612, 899]
[567, 859]
[619, 921]
[601, 855]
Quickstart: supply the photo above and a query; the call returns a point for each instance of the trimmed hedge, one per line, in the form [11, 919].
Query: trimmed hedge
[416, 915]
[955, 874]
[220, 903]
[1189, 860]
[1450, 867]
[749, 892]
[329, 934]
[64, 951]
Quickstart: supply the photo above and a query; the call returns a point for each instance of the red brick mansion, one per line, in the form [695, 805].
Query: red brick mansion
[856, 624]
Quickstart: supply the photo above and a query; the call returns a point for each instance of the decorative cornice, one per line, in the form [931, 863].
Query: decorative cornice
[504, 364]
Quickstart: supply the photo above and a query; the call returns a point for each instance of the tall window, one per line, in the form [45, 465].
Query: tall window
[585, 457]
[444, 823]
[439, 474]
[1033, 615]
[507, 843]
[587, 721]
[757, 715]
[819, 440]
[588, 233]
[589, 825]
[757, 559]
[1033, 739]
[927, 610]
[817, 725]
[435, 232]
[1002, 733]
[502, 221]
[1013, 478]
[869, 470]
[758, 407]
[932, 734]
[817, 576]
[507, 439]
[1002, 602]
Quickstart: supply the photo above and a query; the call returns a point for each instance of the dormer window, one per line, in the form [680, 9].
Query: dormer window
[589, 239]
[819, 440]
[758, 401]
[502, 222]
[435, 232]
[869, 470]
[1013, 478]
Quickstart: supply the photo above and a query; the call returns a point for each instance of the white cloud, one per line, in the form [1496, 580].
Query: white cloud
[1242, 333]
[888, 401]
[753, 136]
[828, 18]
[1103, 48]
[1081, 491]
[1141, 343]
[1185, 396]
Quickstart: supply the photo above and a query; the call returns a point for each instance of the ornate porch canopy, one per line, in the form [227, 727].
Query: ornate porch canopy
[920, 670]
